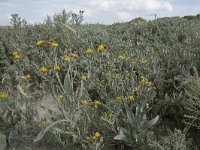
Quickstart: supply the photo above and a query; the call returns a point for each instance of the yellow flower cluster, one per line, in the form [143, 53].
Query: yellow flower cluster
[57, 68]
[89, 51]
[49, 42]
[40, 43]
[67, 58]
[96, 104]
[96, 136]
[74, 55]
[44, 69]
[131, 97]
[17, 55]
[54, 44]
[101, 48]
[3, 95]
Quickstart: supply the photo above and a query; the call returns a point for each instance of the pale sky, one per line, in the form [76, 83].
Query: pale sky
[97, 11]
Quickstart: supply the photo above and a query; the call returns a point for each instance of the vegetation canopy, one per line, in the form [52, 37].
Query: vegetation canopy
[131, 85]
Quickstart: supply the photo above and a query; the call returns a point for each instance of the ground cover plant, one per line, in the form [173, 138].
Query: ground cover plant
[132, 85]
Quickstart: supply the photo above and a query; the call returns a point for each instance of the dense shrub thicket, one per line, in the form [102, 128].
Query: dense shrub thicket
[131, 85]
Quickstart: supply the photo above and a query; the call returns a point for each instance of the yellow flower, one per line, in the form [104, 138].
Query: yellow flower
[121, 58]
[84, 77]
[89, 51]
[43, 70]
[74, 55]
[28, 76]
[67, 58]
[3, 95]
[96, 105]
[17, 56]
[54, 44]
[40, 43]
[85, 102]
[131, 97]
[57, 68]
[101, 48]
[96, 136]
[61, 97]
[15, 53]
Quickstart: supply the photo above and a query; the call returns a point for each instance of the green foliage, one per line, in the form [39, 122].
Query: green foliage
[137, 78]
[175, 141]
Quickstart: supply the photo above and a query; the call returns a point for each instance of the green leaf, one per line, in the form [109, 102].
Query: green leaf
[3, 143]
[130, 116]
[67, 83]
[43, 132]
[122, 135]
[151, 123]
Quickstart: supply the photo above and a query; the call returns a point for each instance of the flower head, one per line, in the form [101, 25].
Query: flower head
[18, 56]
[40, 43]
[61, 97]
[3, 95]
[67, 58]
[131, 97]
[89, 51]
[101, 48]
[96, 136]
[74, 55]
[15, 53]
[44, 69]
[28, 76]
[57, 68]
[54, 44]
[84, 77]
[96, 104]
